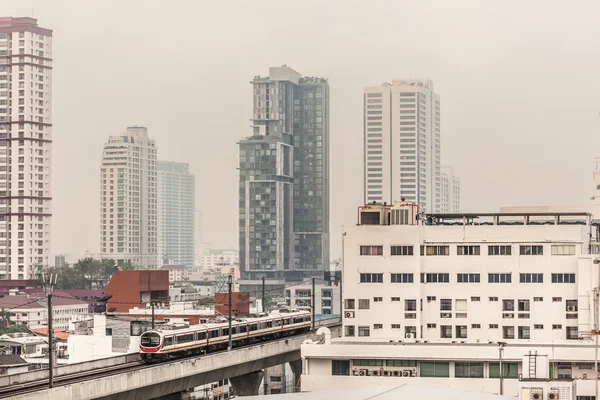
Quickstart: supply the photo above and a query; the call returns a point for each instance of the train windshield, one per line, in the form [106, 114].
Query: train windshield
[150, 339]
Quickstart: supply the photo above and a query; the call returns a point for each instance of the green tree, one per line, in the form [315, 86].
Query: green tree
[127, 266]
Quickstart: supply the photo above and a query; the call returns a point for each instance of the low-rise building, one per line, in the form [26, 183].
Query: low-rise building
[177, 273]
[444, 299]
[11, 364]
[327, 298]
[33, 311]
[128, 289]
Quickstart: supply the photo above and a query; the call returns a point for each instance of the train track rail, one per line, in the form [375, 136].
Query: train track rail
[68, 379]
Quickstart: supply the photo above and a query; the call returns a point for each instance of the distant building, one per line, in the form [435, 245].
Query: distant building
[131, 289]
[402, 143]
[11, 364]
[33, 311]
[240, 303]
[177, 273]
[128, 199]
[176, 216]
[327, 298]
[284, 181]
[214, 258]
[25, 114]
[449, 191]
[60, 261]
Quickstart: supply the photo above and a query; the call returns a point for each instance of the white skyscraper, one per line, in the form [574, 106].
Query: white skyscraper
[25, 146]
[402, 143]
[128, 199]
[449, 191]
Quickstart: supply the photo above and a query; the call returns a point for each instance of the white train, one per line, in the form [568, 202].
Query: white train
[160, 345]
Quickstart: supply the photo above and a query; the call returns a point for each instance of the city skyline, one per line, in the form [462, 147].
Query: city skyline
[467, 68]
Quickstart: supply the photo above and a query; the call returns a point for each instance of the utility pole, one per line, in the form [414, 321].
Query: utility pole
[263, 295]
[596, 298]
[500, 365]
[229, 284]
[152, 304]
[312, 303]
[48, 287]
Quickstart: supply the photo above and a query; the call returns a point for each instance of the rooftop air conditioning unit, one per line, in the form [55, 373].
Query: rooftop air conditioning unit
[386, 373]
[349, 314]
[397, 373]
[363, 372]
[355, 372]
[375, 373]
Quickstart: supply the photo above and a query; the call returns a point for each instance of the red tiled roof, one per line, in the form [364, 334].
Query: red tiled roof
[62, 335]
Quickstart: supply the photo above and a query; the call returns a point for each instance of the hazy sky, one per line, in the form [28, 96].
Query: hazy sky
[519, 83]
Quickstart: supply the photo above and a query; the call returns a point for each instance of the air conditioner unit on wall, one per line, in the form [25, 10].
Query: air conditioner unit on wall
[410, 336]
[553, 396]
[375, 372]
[349, 314]
[363, 372]
[571, 308]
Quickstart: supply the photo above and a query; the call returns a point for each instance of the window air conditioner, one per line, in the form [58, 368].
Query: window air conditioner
[349, 314]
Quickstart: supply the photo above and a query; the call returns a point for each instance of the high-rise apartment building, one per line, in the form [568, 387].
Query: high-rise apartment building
[284, 179]
[449, 191]
[402, 144]
[25, 146]
[128, 199]
[176, 201]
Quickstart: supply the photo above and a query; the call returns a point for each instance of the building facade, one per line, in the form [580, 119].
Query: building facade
[434, 299]
[449, 191]
[284, 180]
[327, 298]
[25, 146]
[402, 143]
[176, 216]
[128, 197]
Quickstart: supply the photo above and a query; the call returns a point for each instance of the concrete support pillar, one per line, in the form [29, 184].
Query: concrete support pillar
[247, 385]
[297, 370]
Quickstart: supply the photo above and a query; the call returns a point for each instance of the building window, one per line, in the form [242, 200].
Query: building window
[435, 278]
[531, 278]
[467, 250]
[509, 370]
[349, 304]
[500, 278]
[538, 326]
[437, 250]
[531, 250]
[563, 278]
[434, 369]
[367, 362]
[278, 378]
[467, 278]
[508, 305]
[340, 367]
[508, 332]
[402, 250]
[363, 304]
[563, 250]
[493, 326]
[461, 331]
[499, 250]
[523, 305]
[446, 331]
[371, 278]
[364, 331]
[400, 363]
[410, 305]
[538, 299]
[468, 369]
[395, 326]
[349, 330]
[572, 332]
[402, 278]
[377, 326]
[395, 298]
[371, 250]
[524, 332]
[475, 326]
[473, 298]
[445, 304]
[493, 298]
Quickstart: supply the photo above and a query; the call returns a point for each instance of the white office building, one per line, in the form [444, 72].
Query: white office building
[327, 298]
[449, 191]
[128, 190]
[402, 143]
[431, 301]
[25, 146]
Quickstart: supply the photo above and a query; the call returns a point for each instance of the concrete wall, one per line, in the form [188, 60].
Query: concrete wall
[67, 369]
